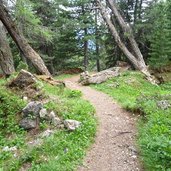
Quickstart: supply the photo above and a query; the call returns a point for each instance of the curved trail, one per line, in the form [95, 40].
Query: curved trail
[114, 148]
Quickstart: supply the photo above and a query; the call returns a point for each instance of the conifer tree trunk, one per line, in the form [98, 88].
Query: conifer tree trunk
[137, 60]
[21, 42]
[127, 29]
[6, 59]
[97, 42]
[85, 51]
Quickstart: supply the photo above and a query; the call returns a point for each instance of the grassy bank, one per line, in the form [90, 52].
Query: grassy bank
[134, 93]
[63, 150]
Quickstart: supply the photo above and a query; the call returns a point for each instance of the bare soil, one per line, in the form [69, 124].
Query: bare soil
[115, 147]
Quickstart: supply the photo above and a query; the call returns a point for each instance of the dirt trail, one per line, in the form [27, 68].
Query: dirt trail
[114, 148]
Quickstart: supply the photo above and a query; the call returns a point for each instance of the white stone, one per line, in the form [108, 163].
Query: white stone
[72, 124]
[56, 121]
[47, 133]
[43, 113]
[25, 98]
[7, 148]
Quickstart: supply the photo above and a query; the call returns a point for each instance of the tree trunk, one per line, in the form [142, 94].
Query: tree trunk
[21, 42]
[127, 29]
[97, 41]
[85, 41]
[85, 50]
[138, 64]
[136, 11]
[6, 59]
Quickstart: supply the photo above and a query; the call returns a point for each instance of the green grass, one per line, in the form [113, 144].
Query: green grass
[62, 151]
[135, 94]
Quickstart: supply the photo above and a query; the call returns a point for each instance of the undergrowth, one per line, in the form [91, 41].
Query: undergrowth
[134, 93]
[63, 150]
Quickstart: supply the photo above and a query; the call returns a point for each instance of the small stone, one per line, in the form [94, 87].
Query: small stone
[56, 121]
[164, 104]
[25, 98]
[71, 125]
[132, 149]
[52, 115]
[47, 133]
[13, 148]
[15, 155]
[7, 148]
[43, 113]
[28, 123]
[134, 156]
[36, 142]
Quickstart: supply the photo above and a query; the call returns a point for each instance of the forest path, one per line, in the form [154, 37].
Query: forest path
[114, 148]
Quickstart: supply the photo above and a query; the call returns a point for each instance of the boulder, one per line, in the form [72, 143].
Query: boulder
[100, 77]
[164, 104]
[33, 108]
[56, 121]
[71, 125]
[24, 79]
[52, 115]
[43, 113]
[28, 123]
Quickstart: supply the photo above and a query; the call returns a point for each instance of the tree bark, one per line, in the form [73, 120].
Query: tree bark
[6, 59]
[85, 42]
[97, 41]
[21, 42]
[138, 63]
[127, 29]
[136, 11]
[85, 50]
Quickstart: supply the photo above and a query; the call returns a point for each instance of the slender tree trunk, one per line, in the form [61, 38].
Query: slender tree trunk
[85, 51]
[97, 41]
[140, 9]
[85, 42]
[136, 10]
[6, 59]
[138, 63]
[21, 42]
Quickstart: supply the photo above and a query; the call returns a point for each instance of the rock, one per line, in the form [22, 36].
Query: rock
[46, 133]
[164, 104]
[71, 125]
[43, 113]
[33, 108]
[28, 123]
[100, 77]
[24, 79]
[52, 115]
[84, 78]
[37, 142]
[9, 148]
[56, 121]
[25, 98]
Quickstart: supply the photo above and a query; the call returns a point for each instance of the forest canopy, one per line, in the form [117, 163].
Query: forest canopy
[69, 34]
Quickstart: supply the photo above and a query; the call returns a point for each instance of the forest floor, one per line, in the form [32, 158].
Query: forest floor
[115, 144]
